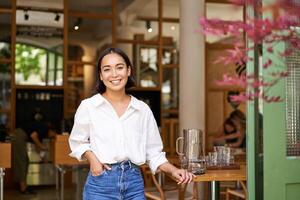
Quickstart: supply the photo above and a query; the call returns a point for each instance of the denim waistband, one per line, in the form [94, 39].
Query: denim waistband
[126, 164]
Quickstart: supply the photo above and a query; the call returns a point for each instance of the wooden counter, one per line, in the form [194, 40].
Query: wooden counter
[5, 155]
[62, 151]
[215, 176]
[223, 175]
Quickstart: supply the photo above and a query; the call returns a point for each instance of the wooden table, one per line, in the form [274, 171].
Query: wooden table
[62, 161]
[5, 162]
[215, 176]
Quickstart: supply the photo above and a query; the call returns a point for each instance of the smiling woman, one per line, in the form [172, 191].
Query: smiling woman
[117, 133]
[114, 69]
[114, 72]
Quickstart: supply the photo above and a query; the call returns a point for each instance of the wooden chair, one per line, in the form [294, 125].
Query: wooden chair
[154, 190]
[241, 193]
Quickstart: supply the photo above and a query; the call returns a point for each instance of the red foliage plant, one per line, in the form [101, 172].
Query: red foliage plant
[280, 26]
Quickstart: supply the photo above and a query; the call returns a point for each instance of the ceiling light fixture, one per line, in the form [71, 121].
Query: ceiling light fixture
[57, 17]
[26, 15]
[77, 24]
[148, 26]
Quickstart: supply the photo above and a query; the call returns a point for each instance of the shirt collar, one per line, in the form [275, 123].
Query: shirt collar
[98, 99]
[134, 103]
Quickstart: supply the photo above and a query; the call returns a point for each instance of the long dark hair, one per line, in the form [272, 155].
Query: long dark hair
[100, 87]
[229, 122]
[238, 116]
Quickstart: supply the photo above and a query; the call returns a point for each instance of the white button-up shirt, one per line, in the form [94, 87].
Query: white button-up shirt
[134, 136]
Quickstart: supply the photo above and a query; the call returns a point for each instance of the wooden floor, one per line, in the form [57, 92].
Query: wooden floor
[50, 193]
[45, 193]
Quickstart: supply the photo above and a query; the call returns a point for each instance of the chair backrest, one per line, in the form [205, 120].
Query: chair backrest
[238, 192]
[243, 184]
[153, 189]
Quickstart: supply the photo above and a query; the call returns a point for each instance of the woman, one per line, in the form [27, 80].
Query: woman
[239, 120]
[233, 133]
[227, 129]
[117, 133]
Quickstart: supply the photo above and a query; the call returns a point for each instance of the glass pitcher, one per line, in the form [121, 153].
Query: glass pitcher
[192, 154]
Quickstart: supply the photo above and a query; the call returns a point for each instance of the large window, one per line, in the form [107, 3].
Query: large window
[38, 66]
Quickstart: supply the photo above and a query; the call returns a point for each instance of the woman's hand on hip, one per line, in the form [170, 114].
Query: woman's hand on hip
[97, 168]
[182, 176]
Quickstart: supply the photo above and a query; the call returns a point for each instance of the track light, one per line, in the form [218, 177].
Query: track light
[57, 17]
[148, 26]
[26, 15]
[77, 24]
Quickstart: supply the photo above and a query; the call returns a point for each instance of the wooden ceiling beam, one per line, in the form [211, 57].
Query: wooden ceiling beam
[218, 1]
[5, 10]
[164, 19]
[146, 42]
[90, 15]
[40, 9]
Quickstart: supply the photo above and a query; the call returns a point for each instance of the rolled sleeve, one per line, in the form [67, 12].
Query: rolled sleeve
[79, 151]
[154, 154]
[79, 139]
[156, 161]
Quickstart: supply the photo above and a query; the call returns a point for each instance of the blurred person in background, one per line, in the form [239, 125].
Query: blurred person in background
[34, 131]
[233, 131]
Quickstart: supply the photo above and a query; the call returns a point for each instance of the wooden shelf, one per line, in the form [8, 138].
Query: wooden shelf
[78, 62]
[145, 42]
[145, 89]
[5, 60]
[171, 111]
[164, 19]
[6, 10]
[75, 79]
[4, 110]
[39, 87]
[170, 66]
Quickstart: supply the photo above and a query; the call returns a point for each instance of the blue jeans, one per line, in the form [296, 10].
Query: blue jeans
[123, 182]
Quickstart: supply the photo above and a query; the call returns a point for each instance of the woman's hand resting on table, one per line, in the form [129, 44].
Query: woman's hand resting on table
[182, 176]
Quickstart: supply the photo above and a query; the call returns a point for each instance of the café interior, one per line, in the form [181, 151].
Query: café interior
[48, 57]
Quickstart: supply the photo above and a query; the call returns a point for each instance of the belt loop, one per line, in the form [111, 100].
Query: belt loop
[129, 164]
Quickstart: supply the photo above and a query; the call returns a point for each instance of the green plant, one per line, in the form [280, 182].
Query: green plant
[28, 60]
